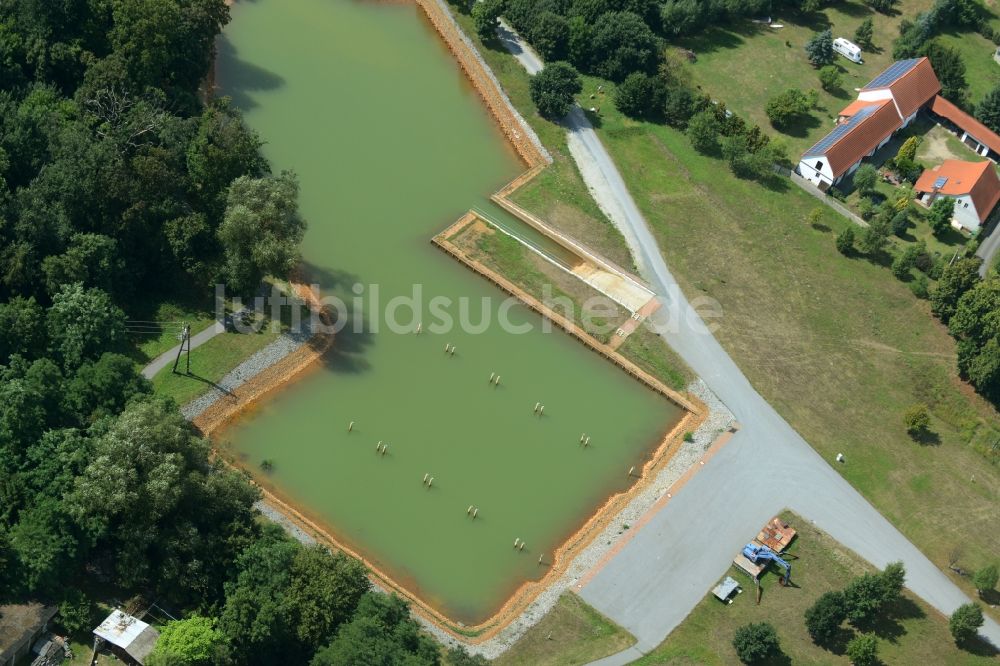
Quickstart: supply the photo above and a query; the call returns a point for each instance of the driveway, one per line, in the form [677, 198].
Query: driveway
[988, 248]
[667, 567]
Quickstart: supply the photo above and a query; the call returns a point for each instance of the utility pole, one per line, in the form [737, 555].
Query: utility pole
[185, 338]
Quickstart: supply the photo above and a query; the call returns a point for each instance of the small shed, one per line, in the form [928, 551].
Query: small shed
[725, 590]
[128, 637]
[20, 626]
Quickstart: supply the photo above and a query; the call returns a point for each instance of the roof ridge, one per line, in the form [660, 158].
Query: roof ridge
[855, 121]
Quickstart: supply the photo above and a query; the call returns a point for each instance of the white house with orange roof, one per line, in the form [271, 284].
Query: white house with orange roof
[974, 186]
[887, 104]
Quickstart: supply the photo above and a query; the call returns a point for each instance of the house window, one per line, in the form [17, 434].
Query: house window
[819, 165]
[965, 205]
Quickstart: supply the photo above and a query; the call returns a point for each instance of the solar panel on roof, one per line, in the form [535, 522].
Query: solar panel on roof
[894, 72]
[940, 181]
[840, 131]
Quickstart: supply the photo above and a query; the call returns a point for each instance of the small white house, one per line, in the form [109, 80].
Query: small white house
[974, 186]
[848, 49]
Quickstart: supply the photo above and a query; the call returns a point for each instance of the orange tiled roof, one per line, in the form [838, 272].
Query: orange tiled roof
[915, 88]
[912, 83]
[981, 132]
[856, 137]
[977, 179]
[856, 106]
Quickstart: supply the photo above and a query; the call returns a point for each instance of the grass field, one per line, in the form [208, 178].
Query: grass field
[571, 633]
[746, 64]
[910, 633]
[839, 346]
[982, 72]
[210, 363]
[537, 277]
[216, 358]
[162, 325]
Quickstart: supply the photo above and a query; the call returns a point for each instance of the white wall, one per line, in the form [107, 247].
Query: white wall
[965, 213]
[807, 167]
[874, 95]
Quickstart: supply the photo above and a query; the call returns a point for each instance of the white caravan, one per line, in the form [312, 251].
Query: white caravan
[848, 49]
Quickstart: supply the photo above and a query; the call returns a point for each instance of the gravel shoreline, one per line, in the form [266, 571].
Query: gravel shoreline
[260, 361]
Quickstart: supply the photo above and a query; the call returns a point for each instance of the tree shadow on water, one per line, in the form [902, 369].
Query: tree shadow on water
[238, 78]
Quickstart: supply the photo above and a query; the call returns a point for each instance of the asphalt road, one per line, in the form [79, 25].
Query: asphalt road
[672, 562]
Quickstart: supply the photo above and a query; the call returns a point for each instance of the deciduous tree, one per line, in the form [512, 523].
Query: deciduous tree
[965, 622]
[261, 231]
[829, 78]
[485, 17]
[985, 579]
[756, 642]
[824, 617]
[862, 650]
[553, 89]
[381, 632]
[83, 323]
[622, 43]
[956, 279]
[193, 641]
[703, 132]
[865, 178]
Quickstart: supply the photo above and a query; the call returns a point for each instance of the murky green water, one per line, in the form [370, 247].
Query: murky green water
[391, 146]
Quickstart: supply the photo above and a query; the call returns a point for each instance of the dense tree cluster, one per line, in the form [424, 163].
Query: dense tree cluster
[116, 180]
[975, 325]
[113, 173]
[865, 598]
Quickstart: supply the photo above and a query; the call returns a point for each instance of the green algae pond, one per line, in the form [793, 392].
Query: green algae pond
[391, 145]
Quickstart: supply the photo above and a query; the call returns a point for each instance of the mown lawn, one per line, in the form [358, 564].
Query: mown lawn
[746, 64]
[839, 346]
[158, 330]
[982, 72]
[209, 364]
[216, 358]
[541, 279]
[571, 633]
[910, 633]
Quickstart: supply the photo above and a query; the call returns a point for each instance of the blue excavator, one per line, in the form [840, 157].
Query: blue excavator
[758, 554]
